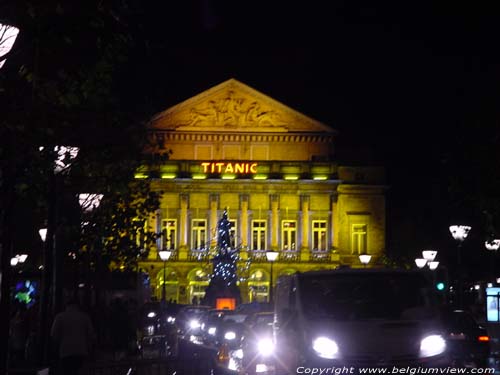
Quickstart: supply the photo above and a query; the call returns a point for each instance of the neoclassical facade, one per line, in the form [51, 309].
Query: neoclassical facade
[274, 170]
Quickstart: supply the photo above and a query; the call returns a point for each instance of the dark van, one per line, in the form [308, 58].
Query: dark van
[357, 318]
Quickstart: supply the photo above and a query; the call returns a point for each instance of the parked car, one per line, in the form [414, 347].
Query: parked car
[229, 334]
[189, 320]
[157, 336]
[468, 342]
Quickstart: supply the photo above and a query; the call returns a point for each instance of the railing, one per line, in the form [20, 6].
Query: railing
[198, 255]
[289, 256]
[320, 256]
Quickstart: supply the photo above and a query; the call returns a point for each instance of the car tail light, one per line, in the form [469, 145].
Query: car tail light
[223, 354]
[483, 338]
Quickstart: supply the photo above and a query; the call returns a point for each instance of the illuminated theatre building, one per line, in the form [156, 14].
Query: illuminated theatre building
[274, 170]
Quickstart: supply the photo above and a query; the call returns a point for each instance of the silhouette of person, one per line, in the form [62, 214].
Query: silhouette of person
[73, 333]
[19, 331]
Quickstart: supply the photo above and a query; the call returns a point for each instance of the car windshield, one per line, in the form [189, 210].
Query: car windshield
[364, 296]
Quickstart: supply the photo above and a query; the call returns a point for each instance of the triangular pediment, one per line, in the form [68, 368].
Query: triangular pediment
[235, 107]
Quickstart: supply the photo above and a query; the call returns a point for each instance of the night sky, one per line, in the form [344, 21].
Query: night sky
[404, 82]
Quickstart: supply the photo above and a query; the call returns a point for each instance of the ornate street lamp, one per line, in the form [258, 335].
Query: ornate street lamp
[429, 255]
[271, 257]
[8, 35]
[365, 259]
[459, 234]
[421, 262]
[18, 259]
[89, 202]
[433, 265]
[492, 245]
[164, 256]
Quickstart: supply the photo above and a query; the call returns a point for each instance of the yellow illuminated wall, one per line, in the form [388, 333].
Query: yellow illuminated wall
[338, 212]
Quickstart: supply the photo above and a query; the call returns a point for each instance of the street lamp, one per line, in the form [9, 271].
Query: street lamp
[459, 234]
[365, 259]
[492, 245]
[433, 265]
[8, 35]
[271, 256]
[421, 262]
[18, 259]
[429, 255]
[164, 255]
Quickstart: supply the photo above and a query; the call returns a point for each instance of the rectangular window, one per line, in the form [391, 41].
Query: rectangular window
[169, 231]
[233, 234]
[259, 234]
[199, 234]
[288, 234]
[319, 235]
[359, 239]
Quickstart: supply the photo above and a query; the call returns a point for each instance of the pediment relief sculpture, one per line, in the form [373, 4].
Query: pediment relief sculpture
[236, 107]
[233, 110]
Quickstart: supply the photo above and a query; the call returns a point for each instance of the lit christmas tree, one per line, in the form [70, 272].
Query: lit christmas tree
[225, 263]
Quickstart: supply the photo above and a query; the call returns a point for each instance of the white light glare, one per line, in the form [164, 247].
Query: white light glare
[230, 335]
[194, 324]
[151, 314]
[212, 330]
[171, 319]
[265, 346]
[325, 347]
[432, 345]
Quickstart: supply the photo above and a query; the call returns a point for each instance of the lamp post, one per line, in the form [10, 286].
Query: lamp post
[365, 259]
[271, 256]
[164, 255]
[492, 245]
[51, 294]
[89, 202]
[459, 234]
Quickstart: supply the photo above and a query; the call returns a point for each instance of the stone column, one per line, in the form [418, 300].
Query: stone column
[334, 240]
[244, 226]
[183, 227]
[214, 205]
[274, 221]
[304, 246]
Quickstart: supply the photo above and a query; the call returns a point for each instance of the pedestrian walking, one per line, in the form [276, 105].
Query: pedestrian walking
[74, 336]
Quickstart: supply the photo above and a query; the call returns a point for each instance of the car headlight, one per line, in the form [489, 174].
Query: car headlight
[325, 347]
[230, 335]
[212, 330]
[193, 324]
[171, 319]
[265, 346]
[432, 345]
[151, 314]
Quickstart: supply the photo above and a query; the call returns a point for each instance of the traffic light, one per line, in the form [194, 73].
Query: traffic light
[440, 286]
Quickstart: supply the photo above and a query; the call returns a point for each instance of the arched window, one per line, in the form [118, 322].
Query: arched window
[171, 285]
[258, 286]
[198, 281]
